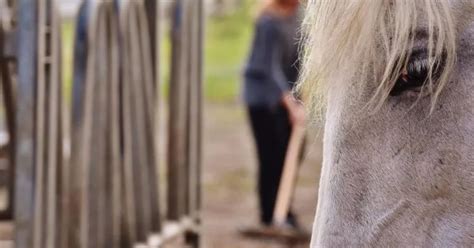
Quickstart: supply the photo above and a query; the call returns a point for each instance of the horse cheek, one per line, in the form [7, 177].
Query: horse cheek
[436, 176]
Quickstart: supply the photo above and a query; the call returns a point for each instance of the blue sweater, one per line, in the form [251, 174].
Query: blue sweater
[272, 66]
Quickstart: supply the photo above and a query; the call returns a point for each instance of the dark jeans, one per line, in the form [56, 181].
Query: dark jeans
[271, 129]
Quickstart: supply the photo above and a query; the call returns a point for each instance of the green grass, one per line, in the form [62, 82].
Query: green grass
[68, 51]
[227, 41]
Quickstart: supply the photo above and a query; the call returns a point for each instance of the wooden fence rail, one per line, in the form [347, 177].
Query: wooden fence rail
[95, 182]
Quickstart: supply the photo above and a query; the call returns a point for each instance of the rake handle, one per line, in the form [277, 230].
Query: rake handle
[288, 178]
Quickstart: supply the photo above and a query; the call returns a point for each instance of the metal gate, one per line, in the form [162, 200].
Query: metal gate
[95, 182]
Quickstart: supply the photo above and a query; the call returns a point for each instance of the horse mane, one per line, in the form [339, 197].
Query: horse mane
[362, 42]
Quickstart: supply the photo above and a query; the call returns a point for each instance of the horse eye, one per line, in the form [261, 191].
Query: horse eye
[418, 70]
[414, 77]
[416, 74]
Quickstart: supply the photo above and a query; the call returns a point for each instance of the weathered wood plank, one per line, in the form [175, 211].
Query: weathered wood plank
[113, 131]
[97, 167]
[148, 90]
[177, 157]
[192, 237]
[25, 149]
[200, 103]
[137, 100]
[82, 127]
[54, 141]
[112, 197]
[40, 233]
[7, 87]
[130, 225]
[193, 108]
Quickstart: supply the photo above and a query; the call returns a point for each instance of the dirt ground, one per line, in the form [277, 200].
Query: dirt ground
[229, 173]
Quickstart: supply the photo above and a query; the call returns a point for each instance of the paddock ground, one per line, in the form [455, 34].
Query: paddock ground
[229, 200]
[228, 175]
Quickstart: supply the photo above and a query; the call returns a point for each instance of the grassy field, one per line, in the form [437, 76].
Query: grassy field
[226, 47]
[67, 42]
[227, 43]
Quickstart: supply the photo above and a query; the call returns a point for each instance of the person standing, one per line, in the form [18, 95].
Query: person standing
[270, 72]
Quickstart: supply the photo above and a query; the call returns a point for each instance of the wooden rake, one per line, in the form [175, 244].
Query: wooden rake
[289, 175]
[284, 196]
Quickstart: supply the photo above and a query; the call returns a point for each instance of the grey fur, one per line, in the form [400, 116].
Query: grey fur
[402, 177]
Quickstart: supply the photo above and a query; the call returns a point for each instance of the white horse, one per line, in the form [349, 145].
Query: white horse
[395, 79]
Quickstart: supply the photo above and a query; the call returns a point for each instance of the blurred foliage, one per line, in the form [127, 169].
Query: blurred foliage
[67, 56]
[226, 47]
[227, 43]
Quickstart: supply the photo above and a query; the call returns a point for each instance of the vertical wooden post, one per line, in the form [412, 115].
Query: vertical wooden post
[193, 108]
[177, 155]
[200, 101]
[140, 150]
[97, 166]
[146, 45]
[53, 147]
[25, 150]
[130, 205]
[108, 158]
[113, 131]
[152, 15]
[82, 134]
[39, 233]
[8, 95]
[194, 134]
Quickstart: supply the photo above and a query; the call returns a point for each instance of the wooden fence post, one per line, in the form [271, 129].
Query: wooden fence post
[107, 195]
[27, 78]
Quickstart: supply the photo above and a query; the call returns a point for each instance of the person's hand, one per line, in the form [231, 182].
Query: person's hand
[297, 115]
[296, 111]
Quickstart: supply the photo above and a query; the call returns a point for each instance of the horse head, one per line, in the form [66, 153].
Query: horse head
[395, 81]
